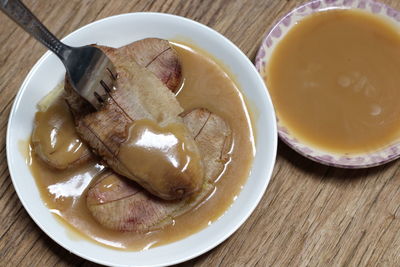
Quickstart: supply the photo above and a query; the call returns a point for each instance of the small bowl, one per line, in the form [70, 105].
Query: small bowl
[117, 31]
[270, 42]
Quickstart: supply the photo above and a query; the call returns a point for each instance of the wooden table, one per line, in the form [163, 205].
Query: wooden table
[310, 215]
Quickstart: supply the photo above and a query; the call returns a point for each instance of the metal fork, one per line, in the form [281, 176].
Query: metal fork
[90, 72]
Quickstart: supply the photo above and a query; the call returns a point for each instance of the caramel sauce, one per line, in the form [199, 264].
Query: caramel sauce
[334, 80]
[179, 165]
[55, 136]
[205, 84]
[110, 189]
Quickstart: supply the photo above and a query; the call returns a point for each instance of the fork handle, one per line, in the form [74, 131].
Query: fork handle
[20, 14]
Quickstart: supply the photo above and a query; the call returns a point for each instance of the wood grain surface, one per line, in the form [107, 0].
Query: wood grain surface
[311, 215]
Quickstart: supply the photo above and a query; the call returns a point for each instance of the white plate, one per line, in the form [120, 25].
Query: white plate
[117, 31]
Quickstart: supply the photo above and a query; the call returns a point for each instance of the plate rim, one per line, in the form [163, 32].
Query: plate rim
[266, 172]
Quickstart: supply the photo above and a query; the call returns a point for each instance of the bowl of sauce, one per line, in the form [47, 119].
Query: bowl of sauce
[332, 69]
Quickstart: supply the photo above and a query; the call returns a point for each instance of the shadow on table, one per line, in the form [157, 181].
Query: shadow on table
[317, 170]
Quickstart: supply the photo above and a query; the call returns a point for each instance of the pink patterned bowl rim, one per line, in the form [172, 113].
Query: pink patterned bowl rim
[277, 32]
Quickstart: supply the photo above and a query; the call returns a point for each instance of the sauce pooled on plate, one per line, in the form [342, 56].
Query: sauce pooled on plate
[206, 85]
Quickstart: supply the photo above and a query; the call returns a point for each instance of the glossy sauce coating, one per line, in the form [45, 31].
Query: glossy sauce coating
[334, 80]
[205, 84]
[56, 139]
[179, 169]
